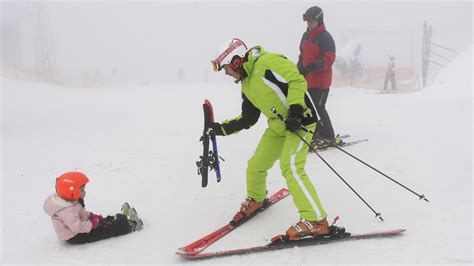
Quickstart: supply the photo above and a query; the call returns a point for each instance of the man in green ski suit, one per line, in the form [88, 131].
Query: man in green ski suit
[270, 80]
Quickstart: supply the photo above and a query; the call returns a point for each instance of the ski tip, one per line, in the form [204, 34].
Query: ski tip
[186, 256]
[188, 251]
[181, 254]
[394, 231]
[208, 103]
[184, 252]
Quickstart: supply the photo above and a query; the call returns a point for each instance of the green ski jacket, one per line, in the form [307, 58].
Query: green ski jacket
[271, 81]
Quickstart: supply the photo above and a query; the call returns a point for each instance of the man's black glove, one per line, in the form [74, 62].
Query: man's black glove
[305, 70]
[311, 67]
[295, 114]
[217, 128]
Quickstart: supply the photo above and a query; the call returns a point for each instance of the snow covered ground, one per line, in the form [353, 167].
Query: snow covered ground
[140, 144]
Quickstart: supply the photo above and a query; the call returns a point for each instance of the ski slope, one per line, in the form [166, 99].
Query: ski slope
[140, 143]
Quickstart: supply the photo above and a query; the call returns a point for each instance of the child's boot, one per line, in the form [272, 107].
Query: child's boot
[136, 222]
[126, 209]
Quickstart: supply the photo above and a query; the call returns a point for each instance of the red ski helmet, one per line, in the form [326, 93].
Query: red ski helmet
[68, 184]
[231, 53]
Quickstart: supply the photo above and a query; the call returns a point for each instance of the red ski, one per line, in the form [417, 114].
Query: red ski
[279, 243]
[199, 245]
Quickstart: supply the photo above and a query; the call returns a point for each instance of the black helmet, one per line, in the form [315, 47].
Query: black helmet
[314, 13]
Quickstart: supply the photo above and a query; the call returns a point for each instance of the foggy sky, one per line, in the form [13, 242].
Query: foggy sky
[153, 40]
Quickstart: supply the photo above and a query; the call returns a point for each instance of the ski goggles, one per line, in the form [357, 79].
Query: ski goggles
[235, 64]
[311, 17]
[216, 66]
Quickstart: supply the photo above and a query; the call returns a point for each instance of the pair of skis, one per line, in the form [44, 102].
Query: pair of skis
[194, 250]
[345, 143]
[210, 158]
[210, 161]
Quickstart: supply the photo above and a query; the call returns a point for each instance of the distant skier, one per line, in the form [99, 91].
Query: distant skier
[270, 80]
[74, 224]
[317, 55]
[390, 74]
[348, 63]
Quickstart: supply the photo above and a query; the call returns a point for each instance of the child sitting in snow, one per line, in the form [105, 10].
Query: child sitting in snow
[74, 224]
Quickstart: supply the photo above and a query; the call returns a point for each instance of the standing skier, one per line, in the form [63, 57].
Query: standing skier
[271, 81]
[390, 74]
[317, 55]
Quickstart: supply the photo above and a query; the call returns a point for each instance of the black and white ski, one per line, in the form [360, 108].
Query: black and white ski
[345, 143]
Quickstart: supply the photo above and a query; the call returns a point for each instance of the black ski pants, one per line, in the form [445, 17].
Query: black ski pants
[324, 128]
[111, 226]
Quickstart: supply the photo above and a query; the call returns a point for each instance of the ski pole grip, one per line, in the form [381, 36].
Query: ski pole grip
[274, 111]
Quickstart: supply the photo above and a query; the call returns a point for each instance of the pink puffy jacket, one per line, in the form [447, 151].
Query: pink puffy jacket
[69, 217]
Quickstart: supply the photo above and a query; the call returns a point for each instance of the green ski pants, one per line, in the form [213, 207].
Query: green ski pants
[292, 152]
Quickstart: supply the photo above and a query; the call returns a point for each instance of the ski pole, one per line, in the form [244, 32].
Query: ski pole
[422, 196]
[377, 214]
[359, 160]
[375, 169]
